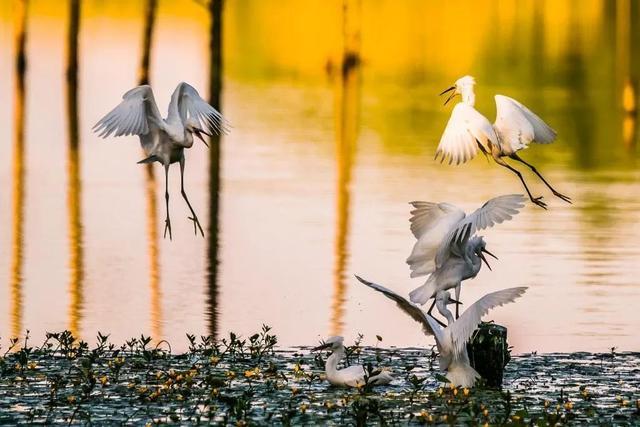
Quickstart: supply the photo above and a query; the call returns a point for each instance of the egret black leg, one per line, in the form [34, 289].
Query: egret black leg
[431, 308]
[194, 217]
[167, 221]
[567, 199]
[536, 200]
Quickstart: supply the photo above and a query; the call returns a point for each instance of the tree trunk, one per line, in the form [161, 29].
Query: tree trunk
[489, 353]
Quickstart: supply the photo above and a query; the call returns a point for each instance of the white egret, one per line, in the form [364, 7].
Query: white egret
[351, 376]
[446, 247]
[452, 339]
[164, 140]
[515, 127]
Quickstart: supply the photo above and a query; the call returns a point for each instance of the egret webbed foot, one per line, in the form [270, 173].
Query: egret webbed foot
[538, 201]
[196, 224]
[167, 227]
[562, 197]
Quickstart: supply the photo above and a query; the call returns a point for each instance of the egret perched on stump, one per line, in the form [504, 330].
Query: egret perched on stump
[452, 339]
[515, 127]
[447, 248]
[164, 140]
[351, 376]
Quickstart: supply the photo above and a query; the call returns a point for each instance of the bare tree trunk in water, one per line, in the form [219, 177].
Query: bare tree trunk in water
[150, 11]
[215, 88]
[17, 243]
[74, 191]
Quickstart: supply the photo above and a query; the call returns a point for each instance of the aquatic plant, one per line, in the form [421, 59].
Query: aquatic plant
[249, 381]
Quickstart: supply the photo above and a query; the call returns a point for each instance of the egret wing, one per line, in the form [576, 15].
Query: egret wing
[409, 308]
[430, 224]
[197, 108]
[495, 211]
[465, 130]
[137, 114]
[518, 126]
[468, 322]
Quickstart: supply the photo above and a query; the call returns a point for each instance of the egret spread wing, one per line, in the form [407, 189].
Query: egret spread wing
[411, 309]
[137, 114]
[495, 211]
[197, 108]
[518, 126]
[430, 224]
[468, 322]
[466, 129]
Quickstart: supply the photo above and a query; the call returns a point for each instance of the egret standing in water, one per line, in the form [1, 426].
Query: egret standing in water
[447, 248]
[351, 376]
[164, 140]
[515, 127]
[452, 339]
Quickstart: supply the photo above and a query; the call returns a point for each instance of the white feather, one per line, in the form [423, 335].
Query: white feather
[137, 114]
[494, 211]
[517, 126]
[465, 129]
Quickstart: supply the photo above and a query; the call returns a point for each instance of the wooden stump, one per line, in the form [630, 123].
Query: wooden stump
[489, 353]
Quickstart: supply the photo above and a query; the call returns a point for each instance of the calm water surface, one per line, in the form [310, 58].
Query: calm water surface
[317, 172]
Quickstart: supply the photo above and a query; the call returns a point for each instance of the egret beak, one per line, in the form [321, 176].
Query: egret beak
[455, 301]
[484, 250]
[446, 90]
[321, 347]
[198, 132]
[485, 260]
[452, 88]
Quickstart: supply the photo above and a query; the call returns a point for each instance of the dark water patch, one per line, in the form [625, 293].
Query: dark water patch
[243, 381]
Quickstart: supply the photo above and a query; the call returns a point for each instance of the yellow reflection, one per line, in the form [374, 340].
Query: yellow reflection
[18, 169]
[150, 12]
[346, 117]
[154, 264]
[74, 194]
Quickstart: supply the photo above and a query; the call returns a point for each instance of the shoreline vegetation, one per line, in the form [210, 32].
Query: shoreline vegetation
[250, 381]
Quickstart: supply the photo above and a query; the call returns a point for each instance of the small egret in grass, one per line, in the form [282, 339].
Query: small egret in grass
[515, 127]
[164, 140]
[447, 248]
[351, 376]
[452, 339]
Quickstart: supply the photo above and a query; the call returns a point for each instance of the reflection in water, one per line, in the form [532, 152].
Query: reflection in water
[628, 78]
[347, 104]
[154, 265]
[151, 7]
[74, 194]
[18, 168]
[215, 89]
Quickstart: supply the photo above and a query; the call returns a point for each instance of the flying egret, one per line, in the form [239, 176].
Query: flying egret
[351, 376]
[515, 127]
[452, 339]
[164, 140]
[446, 247]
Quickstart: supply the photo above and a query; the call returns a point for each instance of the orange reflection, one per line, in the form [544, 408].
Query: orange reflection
[74, 194]
[154, 255]
[346, 116]
[151, 7]
[18, 169]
